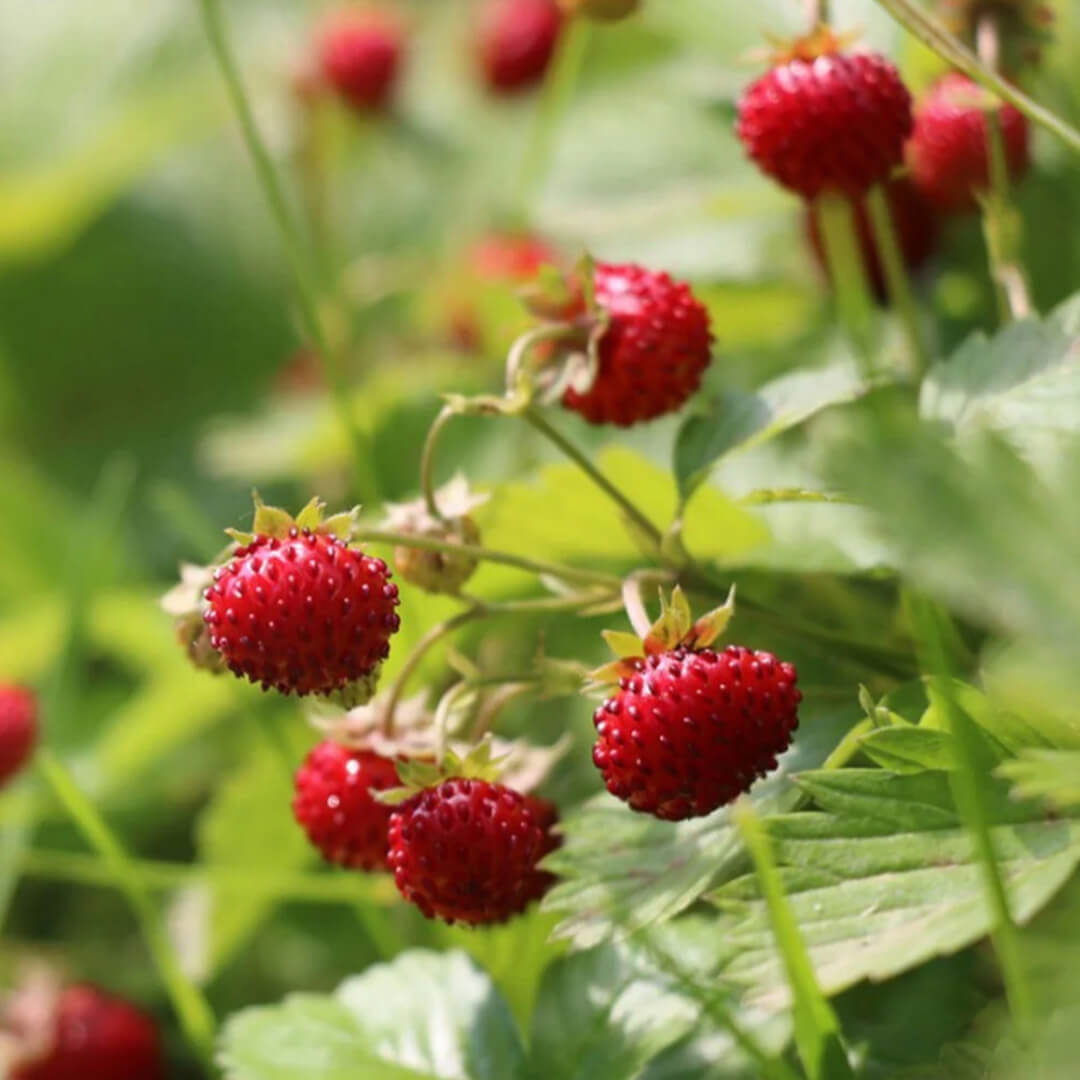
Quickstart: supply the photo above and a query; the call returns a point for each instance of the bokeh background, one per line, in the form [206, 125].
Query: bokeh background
[151, 372]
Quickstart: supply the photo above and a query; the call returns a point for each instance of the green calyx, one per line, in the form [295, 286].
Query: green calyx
[418, 773]
[278, 524]
[675, 628]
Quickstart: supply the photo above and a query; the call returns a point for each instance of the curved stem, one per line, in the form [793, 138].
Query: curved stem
[193, 1012]
[483, 554]
[427, 459]
[307, 292]
[896, 276]
[559, 83]
[928, 29]
[634, 603]
[419, 651]
[643, 524]
[515, 360]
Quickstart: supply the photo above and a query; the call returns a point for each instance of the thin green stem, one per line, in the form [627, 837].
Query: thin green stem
[1002, 225]
[817, 1030]
[643, 526]
[847, 272]
[323, 888]
[560, 81]
[192, 1010]
[434, 635]
[966, 781]
[919, 22]
[896, 276]
[483, 554]
[307, 291]
[427, 459]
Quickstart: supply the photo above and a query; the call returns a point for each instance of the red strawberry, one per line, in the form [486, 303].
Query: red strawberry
[334, 805]
[547, 815]
[691, 729]
[305, 614]
[361, 53]
[831, 122]
[510, 256]
[466, 851]
[913, 219]
[515, 41]
[96, 1036]
[948, 154]
[653, 353]
[18, 729]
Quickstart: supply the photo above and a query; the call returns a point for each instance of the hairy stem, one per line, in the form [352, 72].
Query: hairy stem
[306, 289]
[642, 524]
[483, 554]
[192, 1010]
[427, 459]
[929, 30]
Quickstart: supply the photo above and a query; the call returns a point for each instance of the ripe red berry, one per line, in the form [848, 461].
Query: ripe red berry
[913, 219]
[510, 256]
[515, 41]
[466, 851]
[653, 353]
[334, 805]
[833, 123]
[361, 53]
[96, 1036]
[692, 729]
[305, 615]
[18, 729]
[547, 815]
[948, 153]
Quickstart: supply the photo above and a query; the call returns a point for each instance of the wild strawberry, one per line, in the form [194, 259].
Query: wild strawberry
[515, 42]
[93, 1035]
[601, 10]
[297, 609]
[948, 153]
[18, 729]
[334, 805]
[466, 851]
[437, 571]
[361, 54]
[826, 120]
[510, 256]
[913, 220]
[652, 352]
[690, 728]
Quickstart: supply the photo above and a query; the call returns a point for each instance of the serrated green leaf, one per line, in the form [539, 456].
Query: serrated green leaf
[601, 1016]
[425, 1016]
[908, 749]
[739, 420]
[886, 878]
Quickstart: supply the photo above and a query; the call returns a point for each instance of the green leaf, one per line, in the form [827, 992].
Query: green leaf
[1023, 383]
[602, 1015]
[737, 420]
[908, 749]
[884, 878]
[1050, 775]
[426, 1015]
[248, 824]
[621, 871]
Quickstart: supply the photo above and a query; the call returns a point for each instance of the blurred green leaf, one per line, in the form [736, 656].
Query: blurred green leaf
[1050, 775]
[426, 1015]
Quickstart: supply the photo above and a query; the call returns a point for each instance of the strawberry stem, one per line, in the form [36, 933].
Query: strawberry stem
[427, 460]
[924, 26]
[473, 551]
[896, 276]
[1001, 222]
[847, 271]
[192, 1010]
[642, 524]
[306, 290]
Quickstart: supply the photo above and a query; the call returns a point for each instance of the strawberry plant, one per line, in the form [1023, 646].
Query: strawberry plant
[664, 666]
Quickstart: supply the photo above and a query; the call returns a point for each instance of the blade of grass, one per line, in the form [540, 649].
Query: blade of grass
[817, 1031]
[192, 1010]
[968, 795]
